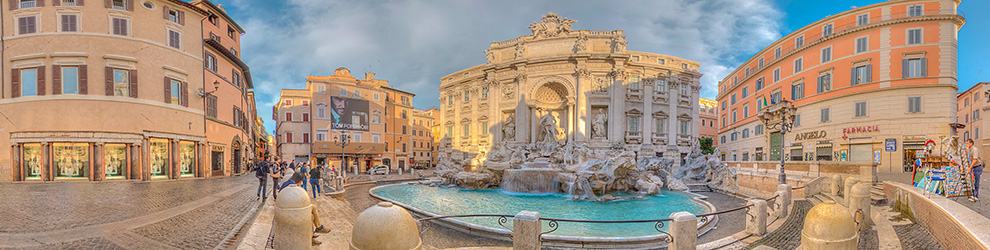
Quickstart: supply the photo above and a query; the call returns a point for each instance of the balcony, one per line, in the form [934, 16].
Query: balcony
[659, 138]
[634, 137]
[634, 94]
[660, 97]
[684, 140]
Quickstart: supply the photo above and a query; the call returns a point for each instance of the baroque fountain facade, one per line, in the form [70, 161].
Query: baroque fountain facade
[573, 111]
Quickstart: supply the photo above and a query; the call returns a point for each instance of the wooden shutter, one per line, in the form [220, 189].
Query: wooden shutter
[109, 80]
[904, 68]
[924, 66]
[56, 2]
[13, 4]
[15, 82]
[182, 18]
[168, 90]
[134, 82]
[130, 4]
[869, 73]
[83, 78]
[41, 80]
[185, 94]
[56, 79]
[165, 12]
[852, 76]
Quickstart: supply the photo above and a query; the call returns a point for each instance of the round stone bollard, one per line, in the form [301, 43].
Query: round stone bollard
[385, 227]
[860, 201]
[683, 231]
[836, 185]
[293, 219]
[783, 201]
[847, 188]
[756, 221]
[829, 226]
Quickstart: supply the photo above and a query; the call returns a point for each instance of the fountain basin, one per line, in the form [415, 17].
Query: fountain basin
[530, 180]
[426, 201]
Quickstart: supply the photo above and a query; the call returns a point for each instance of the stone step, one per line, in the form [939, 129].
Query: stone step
[814, 200]
[877, 192]
[823, 197]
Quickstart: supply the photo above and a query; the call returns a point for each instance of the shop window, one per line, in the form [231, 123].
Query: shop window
[70, 160]
[160, 157]
[187, 157]
[31, 158]
[115, 161]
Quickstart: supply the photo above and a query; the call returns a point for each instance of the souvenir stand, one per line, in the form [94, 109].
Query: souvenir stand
[942, 172]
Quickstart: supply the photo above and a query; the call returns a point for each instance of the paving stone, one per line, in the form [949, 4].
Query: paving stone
[788, 236]
[913, 236]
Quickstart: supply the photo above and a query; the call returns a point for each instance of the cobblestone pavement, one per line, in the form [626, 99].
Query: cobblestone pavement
[179, 214]
[913, 236]
[788, 236]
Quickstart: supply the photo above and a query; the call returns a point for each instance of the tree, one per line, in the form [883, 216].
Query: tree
[706, 145]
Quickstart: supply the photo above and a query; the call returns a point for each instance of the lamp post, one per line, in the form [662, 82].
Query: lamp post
[342, 141]
[779, 116]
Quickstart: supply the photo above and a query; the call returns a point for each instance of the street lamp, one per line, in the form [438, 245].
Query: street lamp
[216, 86]
[342, 141]
[779, 116]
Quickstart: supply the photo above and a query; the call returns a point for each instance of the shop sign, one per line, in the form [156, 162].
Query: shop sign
[813, 135]
[915, 138]
[890, 145]
[861, 129]
[216, 148]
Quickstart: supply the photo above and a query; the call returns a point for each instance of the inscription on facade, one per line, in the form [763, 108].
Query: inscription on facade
[813, 135]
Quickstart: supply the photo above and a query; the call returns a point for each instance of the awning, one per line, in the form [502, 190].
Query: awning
[363, 148]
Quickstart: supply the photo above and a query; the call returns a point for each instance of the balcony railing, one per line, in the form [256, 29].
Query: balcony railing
[659, 138]
[634, 94]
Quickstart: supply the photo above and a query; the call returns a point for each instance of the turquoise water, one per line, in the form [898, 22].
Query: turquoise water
[454, 201]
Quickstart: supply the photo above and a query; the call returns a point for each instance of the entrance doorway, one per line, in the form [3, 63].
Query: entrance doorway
[775, 143]
[217, 164]
[237, 161]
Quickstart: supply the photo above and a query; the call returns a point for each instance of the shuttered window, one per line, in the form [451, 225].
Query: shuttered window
[175, 92]
[211, 62]
[211, 106]
[862, 44]
[914, 67]
[120, 26]
[27, 25]
[174, 39]
[69, 23]
[797, 91]
[861, 74]
[825, 83]
[825, 114]
[69, 77]
[860, 109]
[29, 82]
[914, 36]
[121, 82]
[914, 104]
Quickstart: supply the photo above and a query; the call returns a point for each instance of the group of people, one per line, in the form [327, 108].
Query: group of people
[302, 174]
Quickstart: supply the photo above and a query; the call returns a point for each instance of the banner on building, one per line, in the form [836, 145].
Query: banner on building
[347, 113]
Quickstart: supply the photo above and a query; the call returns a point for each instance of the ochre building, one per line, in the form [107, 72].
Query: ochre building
[708, 117]
[870, 84]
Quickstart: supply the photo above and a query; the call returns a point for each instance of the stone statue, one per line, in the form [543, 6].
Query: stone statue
[489, 55]
[618, 44]
[581, 43]
[551, 25]
[508, 90]
[549, 124]
[509, 128]
[598, 125]
[520, 49]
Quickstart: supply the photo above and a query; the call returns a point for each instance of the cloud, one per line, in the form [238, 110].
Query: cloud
[414, 43]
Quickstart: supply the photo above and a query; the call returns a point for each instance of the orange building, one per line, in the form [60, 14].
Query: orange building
[870, 84]
[708, 114]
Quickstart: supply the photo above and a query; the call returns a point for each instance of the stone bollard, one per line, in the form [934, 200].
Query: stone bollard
[829, 226]
[847, 188]
[526, 229]
[293, 219]
[836, 185]
[385, 226]
[683, 231]
[783, 199]
[756, 217]
[860, 200]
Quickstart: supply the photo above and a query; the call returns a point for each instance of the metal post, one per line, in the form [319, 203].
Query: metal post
[783, 131]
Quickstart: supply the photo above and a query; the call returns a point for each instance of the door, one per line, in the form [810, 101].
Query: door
[775, 142]
[237, 161]
[217, 164]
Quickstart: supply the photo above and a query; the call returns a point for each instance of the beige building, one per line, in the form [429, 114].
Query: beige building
[708, 116]
[422, 138]
[582, 83]
[972, 107]
[870, 84]
[110, 90]
[378, 120]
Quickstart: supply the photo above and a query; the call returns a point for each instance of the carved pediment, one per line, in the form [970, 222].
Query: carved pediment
[465, 120]
[684, 116]
[552, 25]
[660, 114]
[483, 118]
[634, 112]
[449, 123]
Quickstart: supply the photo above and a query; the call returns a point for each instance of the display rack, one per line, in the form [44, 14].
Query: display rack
[954, 183]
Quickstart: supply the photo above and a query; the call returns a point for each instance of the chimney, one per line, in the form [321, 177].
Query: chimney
[369, 76]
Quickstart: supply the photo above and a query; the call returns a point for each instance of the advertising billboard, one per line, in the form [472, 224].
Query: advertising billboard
[347, 113]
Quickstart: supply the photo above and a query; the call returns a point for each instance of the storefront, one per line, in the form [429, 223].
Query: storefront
[823, 151]
[911, 145]
[71, 161]
[160, 160]
[115, 161]
[187, 156]
[216, 163]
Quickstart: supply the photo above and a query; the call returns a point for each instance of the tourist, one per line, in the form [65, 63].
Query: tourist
[261, 171]
[304, 169]
[319, 228]
[976, 166]
[314, 180]
[276, 174]
[292, 165]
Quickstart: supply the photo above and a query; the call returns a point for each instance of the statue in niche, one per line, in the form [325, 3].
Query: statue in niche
[489, 55]
[601, 85]
[549, 124]
[598, 125]
[509, 129]
[581, 43]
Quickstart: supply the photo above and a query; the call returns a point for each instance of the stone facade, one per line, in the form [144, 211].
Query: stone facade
[584, 83]
[860, 78]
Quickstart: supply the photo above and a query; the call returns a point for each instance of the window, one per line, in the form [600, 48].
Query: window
[914, 104]
[685, 127]
[776, 75]
[288, 102]
[635, 58]
[734, 135]
[120, 26]
[375, 138]
[747, 72]
[288, 137]
[405, 114]
[176, 91]
[213, 19]
[733, 116]
[758, 130]
[173, 15]
[798, 42]
[305, 117]
[70, 79]
[825, 112]
[321, 111]
[797, 120]
[745, 91]
[211, 62]
[484, 92]
[28, 3]
[746, 111]
[976, 133]
[723, 139]
[174, 39]
[914, 67]
[69, 23]
[321, 135]
[798, 65]
[121, 82]
[661, 125]
[684, 66]
[914, 36]
[760, 63]
[723, 121]
[484, 129]
[405, 100]
[376, 97]
[861, 74]
[976, 97]
[914, 10]
[745, 133]
[966, 102]
[976, 115]
[860, 109]
[403, 147]
[827, 30]
[305, 137]
[467, 95]
[357, 136]
[305, 103]
[634, 123]
[215, 37]
[357, 93]
[862, 19]
[466, 129]
[774, 97]
[733, 99]
[824, 83]
[723, 105]
[288, 116]
[27, 25]
[634, 82]
[685, 89]
[826, 54]
[776, 53]
[759, 84]
[797, 91]
[734, 80]
[661, 61]
[119, 4]
[450, 131]
[211, 106]
[862, 44]
[404, 129]
[231, 32]
[29, 82]
[376, 118]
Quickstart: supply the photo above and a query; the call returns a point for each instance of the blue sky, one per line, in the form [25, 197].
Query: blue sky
[414, 43]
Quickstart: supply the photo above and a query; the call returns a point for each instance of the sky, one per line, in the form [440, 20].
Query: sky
[412, 44]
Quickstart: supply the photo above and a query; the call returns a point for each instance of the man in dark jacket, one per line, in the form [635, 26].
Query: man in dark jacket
[261, 171]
